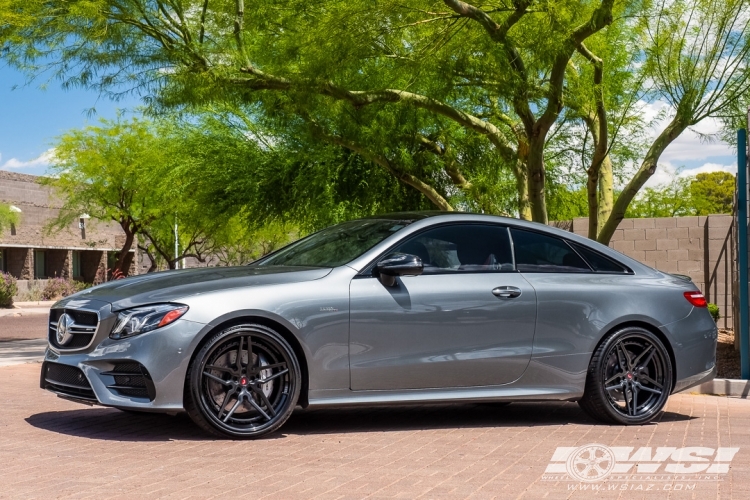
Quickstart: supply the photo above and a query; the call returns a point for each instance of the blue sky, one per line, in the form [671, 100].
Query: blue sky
[30, 119]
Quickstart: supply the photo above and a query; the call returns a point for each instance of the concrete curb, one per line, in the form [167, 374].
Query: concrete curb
[730, 387]
[30, 311]
[41, 303]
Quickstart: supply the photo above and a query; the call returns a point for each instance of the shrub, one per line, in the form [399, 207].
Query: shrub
[714, 310]
[57, 288]
[8, 289]
[33, 292]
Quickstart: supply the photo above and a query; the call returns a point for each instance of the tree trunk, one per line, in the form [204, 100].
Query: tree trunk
[647, 169]
[123, 263]
[606, 193]
[592, 191]
[522, 186]
[537, 202]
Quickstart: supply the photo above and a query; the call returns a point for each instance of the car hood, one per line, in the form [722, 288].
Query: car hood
[171, 285]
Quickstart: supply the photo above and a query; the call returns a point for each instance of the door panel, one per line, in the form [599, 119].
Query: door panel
[440, 330]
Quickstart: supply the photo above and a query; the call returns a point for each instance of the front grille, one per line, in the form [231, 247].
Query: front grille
[67, 380]
[83, 328]
[132, 379]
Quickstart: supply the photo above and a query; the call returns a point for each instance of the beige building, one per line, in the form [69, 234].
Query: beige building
[84, 251]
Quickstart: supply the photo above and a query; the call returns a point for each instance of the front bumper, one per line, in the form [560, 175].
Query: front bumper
[97, 376]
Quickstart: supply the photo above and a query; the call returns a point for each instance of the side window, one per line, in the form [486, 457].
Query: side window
[539, 253]
[461, 248]
[599, 262]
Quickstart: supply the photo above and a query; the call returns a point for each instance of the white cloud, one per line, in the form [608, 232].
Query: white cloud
[40, 161]
[689, 145]
[709, 167]
[666, 172]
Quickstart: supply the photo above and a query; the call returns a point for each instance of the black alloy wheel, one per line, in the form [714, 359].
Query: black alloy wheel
[629, 378]
[244, 383]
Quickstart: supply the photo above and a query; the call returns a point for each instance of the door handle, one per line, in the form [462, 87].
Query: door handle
[506, 292]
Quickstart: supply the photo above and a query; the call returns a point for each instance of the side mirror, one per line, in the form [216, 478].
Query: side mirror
[398, 264]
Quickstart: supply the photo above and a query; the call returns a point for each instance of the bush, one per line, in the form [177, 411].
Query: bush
[8, 289]
[33, 292]
[714, 310]
[57, 288]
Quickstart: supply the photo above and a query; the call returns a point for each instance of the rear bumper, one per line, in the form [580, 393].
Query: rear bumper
[698, 379]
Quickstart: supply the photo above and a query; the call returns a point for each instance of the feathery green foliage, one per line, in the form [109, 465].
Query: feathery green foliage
[468, 106]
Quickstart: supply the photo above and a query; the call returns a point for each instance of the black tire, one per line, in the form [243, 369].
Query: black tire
[629, 378]
[244, 383]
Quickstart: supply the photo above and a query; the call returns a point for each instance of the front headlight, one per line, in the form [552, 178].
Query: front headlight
[145, 318]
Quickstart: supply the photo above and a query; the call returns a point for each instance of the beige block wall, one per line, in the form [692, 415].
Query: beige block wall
[38, 207]
[700, 247]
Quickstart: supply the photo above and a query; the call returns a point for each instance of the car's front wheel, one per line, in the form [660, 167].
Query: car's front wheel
[244, 382]
[629, 378]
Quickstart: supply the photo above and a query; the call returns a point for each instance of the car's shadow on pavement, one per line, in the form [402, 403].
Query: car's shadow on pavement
[112, 424]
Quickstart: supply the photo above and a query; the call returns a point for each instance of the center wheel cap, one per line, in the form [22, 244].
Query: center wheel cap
[243, 381]
[630, 376]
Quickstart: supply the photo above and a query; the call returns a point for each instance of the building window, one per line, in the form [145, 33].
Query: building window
[76, 264]
[3, 265]
[39, 265]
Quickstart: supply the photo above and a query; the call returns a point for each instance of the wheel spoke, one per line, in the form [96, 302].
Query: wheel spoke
[649, 389]
[634, 398]
[227, 397]
[651, 381]
[275, 375]
[234, 408]
[628, 398]
[238, 361]
[266, 402]
[650, 350]
[260, 410]
[613, 377]
[271, 367]
[221, 369]
[624, 352]
[250, 370]
[613, 387]
[217, 379]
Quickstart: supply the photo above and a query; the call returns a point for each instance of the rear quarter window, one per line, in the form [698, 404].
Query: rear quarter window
[541, 253]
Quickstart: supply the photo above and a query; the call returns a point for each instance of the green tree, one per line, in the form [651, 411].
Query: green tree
[106, 172]
[671, 199]
[448, 98]
[712, 193]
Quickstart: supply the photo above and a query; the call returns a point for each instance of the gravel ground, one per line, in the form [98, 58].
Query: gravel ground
[727, 358]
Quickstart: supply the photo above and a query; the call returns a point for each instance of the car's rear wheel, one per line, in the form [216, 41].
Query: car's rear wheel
[629, 378]
[244, 383]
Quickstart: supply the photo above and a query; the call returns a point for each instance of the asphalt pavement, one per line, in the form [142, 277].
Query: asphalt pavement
[23, 327]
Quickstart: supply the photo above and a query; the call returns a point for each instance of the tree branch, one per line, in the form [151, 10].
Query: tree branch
[431, 193]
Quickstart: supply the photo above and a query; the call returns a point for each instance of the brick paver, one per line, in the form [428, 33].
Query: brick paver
[52, 448]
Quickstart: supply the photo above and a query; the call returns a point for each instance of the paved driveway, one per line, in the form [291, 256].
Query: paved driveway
[52, 448]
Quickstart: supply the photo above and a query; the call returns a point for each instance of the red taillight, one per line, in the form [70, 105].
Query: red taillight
[696, 298]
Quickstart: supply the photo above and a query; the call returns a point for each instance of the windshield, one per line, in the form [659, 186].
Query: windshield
[336, 245]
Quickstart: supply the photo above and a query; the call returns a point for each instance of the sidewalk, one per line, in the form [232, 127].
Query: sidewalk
[27, 308]
[15, 352]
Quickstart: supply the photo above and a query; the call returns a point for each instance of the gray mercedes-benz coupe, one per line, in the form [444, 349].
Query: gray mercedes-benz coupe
[403, 308]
